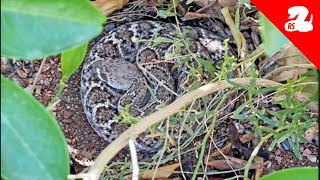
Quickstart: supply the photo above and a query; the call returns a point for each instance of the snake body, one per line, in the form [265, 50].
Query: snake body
[119, 72]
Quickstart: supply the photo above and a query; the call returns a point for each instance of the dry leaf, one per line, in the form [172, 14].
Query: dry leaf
[237, 35]
[235, 163]
[246, 138]
[259, 171]
[291, 63]
[203, 3]
[109, 6]
[312, 132]
[228, 3]
[194, 15]
[213, 9]
[225, 150]
[162, 172]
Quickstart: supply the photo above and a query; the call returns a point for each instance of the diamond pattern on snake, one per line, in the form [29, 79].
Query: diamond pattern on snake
[119, 72]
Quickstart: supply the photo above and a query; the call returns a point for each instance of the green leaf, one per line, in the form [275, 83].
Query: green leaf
[72, 59]
[297, 173]
[165, 14]
[278, 40]
[32, 143]
[272, 145]
[32, 29]
[295, 149]
[266, 120]
[283, 136]
[159, 40]
[207, 65]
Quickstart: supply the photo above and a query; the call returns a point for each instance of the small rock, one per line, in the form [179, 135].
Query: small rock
[46, 82]
[68, 121]
[45, 67]
[278, 152]
[51, 61]
[285, 144]
[46, 97]
[67, 114]
[38, 91]
[53, 108]
[22, 74]
[5, 68]
[68, 140]
[239, 127]
[278, 159]
[269, 164]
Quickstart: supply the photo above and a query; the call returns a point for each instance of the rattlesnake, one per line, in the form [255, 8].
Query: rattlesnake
[119, 72]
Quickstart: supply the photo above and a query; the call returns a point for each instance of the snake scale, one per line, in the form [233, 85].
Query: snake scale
[118, 72]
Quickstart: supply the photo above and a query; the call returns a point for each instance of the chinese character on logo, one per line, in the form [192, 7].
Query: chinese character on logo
[298, 24]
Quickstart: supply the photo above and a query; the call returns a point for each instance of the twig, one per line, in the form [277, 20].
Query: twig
[180, 133]
[134, 160]
[160, 82]
[210, 131]
[110, 151]
[37, 75]
[163, 151]
[51, 106]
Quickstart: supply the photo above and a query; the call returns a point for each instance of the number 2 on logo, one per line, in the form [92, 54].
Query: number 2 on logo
[299, 24]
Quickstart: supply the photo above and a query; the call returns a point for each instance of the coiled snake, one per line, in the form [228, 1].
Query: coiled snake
[119, 72]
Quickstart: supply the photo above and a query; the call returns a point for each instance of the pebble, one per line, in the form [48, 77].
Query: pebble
[22, 74]
[67, 114]
[278, 152]
[38, 91]
[285, 144]
[5, 65]
[46, 82]
[46, 97]
[278, 159]
[239, 127]
[68, 121]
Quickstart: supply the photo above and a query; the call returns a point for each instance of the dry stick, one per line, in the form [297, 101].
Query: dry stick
[110, 151]
[37, 75]
[134, 160]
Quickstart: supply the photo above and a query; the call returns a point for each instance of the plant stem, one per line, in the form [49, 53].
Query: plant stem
[210, 131]
[112, 149]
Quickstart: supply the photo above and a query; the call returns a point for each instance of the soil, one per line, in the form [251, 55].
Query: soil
[85, 144]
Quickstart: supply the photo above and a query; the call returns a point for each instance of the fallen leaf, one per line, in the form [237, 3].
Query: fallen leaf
[109, 6]
[194, 15]
[289, 63]
[259, 171]
[228, 3]
[210, 9]
[225, 150]
[312, 132]
[237, 35]
[162, 172]
[246, 138]
[201, 3]
[231, 163]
